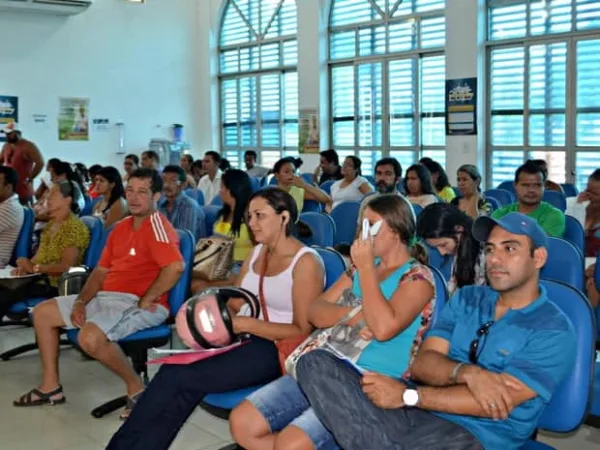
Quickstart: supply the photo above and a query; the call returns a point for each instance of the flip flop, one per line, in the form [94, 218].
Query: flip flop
[44, 398]
[131, 401]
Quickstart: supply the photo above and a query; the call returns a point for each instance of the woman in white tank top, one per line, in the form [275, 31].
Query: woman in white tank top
[293, 279]
[351, 188]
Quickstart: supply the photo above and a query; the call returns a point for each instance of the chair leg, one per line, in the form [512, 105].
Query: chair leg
[27, 348]
[108, 407]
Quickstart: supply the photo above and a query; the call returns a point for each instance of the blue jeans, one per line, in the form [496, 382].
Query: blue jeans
[335, 394]
[282, 403]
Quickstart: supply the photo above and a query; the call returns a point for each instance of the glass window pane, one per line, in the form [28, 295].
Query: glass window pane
[547, 76]
[440, 157]
[402, 36]
[507, 70]
[433, 32]
[557, 163]
[270, 94]
[549, 17]
[433, 75]
[290, 53]
[504, 165]
[588, 130]
[507, 22]
[268, 158]
[249, 59]
[234, 158]
[588, 73]
[234, 30]
[405, 158]
[587, 14]
[248, 103]
[585, 164]
[402, 102]
[345, 12]
[507, 130]
[342, 94]
[428, 5]
[270, 56]
[370, 107]
[369, 159]
[547, 130]
[371, 41]
[342, 45]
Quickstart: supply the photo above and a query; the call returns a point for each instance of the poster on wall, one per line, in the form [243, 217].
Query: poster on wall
[73, 121]
[461, 106]
[309, 131]
[9, 112]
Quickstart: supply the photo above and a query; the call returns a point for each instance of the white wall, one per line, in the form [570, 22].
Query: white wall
[136, 63]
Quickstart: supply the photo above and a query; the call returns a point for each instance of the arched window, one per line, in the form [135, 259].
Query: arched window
[543, 97]
[387, 71]
[258, 55]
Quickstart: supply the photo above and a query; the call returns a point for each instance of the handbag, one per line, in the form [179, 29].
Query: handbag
[72, 281]
[213, 258]
[285, 347]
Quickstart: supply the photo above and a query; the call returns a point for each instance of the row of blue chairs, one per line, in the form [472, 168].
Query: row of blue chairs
[505, 197]
[569, 189]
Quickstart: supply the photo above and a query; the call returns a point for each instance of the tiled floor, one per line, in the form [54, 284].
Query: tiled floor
[87, 384]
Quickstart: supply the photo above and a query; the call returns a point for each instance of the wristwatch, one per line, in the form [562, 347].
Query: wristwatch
[410, 397]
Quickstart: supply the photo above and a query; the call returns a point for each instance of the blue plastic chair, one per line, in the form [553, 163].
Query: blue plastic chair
[441, 293]
[255, 183]
[88, 208]
[216, 201]
[565, 263]
[273, 181]
[308, 177]
[418, 209]
[503, 196]
[221, 404]
[137, 344]
[326, 186]
[494, 203]
[436, 260]
[507, 186]
[556, 199]
[597, 274]
[569, 404]
[312, 206]
[195, 194]
[569, 189]
[210, 214]
[575, 233]
[345, 216]
[322, 227]
[25, 239]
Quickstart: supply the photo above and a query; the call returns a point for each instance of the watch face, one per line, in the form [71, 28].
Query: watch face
[410, 397]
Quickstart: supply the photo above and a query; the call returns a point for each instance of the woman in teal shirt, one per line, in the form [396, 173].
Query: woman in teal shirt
[398, 297]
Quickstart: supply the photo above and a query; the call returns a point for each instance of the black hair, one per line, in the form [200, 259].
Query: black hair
[224, 165]
[424, 176]
[152, 155]
[112, 175]
[331, 156]
[280, 201]
[390, 162]
[93, 170]
[10, 176]
[237, 182]
[156, 182]
[473, 173]
[356, 162]
[190, 158]
[70, 188]
[440, 220]
[436, 167]
[82, 170]
[531, 168]
[214, 155]
[595, 175]
[197, 164]
[251, 153]
[53, 162]
[65, 169]
[181, 176]
[543, 165]
[134, 158]
[296, 162]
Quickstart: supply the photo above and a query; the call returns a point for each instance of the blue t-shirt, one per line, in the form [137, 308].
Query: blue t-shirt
[535, 344]
[393, 356]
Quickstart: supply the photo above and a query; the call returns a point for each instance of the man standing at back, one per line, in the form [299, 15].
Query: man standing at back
[210, 184]
[11, 214]
[529, 185]
[253, 169]
[125, 293]
[23, 156]
[150, 160]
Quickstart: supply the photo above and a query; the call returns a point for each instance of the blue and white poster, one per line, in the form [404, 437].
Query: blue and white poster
[9, 112]
[461, 106]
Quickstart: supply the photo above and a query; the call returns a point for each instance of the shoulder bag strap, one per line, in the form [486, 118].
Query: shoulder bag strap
[261, 282]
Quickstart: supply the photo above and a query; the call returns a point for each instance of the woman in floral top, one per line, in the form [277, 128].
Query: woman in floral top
[448, 229]
[62, 245]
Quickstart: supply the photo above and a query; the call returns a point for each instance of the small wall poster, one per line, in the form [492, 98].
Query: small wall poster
[461, 106]
[73, 121]
[309, 136]
[9, 112]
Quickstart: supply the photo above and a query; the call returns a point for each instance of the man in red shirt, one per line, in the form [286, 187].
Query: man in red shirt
[23, 156]
[125, 293]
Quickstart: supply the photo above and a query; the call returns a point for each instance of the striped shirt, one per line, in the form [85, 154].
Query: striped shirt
[11, 221]
[185, 215]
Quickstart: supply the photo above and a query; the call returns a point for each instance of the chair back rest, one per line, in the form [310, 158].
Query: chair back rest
[556, 199]
[210, 213]
[597, 274]
[312, 206]
[439, 262]
[569, 404]
[322, 227]
[88, 206]
[25, 239]
[370, 179]
[503, 196]
[179, 293]
[569, 189]
[195, 195]
[273, 181]
[94, 250]
[308, 177]
[575, 233]
[216, 201]
[255, 183]
[494, 203]
[345, 216]
[334, 263]
[508, 185]
[565, 263]
[457, 192]
[418, 209]
[326, 186]
[441, 293]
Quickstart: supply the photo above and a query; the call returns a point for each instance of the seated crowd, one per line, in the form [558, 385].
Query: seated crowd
[415, 383]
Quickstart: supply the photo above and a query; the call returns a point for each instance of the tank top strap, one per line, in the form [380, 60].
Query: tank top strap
[255, 252]
[298, 255]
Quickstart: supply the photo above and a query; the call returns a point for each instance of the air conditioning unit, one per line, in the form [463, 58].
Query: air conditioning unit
[56, 7]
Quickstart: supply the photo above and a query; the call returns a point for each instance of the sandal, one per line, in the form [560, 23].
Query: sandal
[44, 398]
[131, 401]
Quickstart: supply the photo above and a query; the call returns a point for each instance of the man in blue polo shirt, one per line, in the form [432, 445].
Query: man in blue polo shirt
[486, 371]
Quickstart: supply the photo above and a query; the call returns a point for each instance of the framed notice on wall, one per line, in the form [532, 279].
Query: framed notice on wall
[461, 106]
[309, 131]
[9, 112]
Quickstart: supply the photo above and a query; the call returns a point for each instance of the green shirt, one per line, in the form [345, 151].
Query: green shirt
[551, 219]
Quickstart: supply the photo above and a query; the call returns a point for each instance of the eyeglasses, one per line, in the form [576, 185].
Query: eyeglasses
[474, 350]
